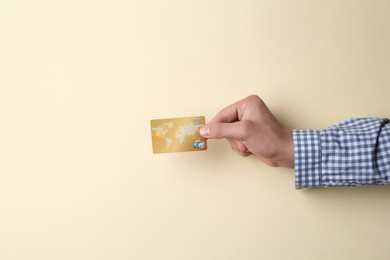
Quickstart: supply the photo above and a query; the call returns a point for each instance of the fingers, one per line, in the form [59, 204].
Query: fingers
[237, 130]
[239, 148]
[227, 115]
[231, 131]
[220, 130]
[236, 123]
[235, 111]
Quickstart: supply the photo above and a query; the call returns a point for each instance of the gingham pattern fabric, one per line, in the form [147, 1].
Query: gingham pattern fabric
[353, 152]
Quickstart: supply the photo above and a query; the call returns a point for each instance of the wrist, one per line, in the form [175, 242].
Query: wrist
[286, 153]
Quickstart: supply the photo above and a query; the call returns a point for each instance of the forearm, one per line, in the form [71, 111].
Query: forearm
[354, 152]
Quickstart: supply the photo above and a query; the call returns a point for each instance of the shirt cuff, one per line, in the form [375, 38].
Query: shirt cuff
[307, 158]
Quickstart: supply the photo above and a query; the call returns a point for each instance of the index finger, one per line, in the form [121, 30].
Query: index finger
[230, 114]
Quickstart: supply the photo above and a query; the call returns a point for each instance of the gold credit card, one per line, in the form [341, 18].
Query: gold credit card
[178, 134]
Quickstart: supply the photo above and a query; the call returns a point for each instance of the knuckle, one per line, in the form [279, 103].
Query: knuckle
[254, 98]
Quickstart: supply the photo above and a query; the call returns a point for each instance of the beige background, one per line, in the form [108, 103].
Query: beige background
[80, 80]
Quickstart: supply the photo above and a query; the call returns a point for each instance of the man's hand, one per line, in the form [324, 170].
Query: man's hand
[251, 128]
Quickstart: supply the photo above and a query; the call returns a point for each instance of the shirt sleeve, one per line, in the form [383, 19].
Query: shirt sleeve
[351, 153]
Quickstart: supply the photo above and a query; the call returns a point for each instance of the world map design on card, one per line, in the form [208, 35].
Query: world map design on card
[178, 134]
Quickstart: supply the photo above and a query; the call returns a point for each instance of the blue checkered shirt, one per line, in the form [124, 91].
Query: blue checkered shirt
[351, 153]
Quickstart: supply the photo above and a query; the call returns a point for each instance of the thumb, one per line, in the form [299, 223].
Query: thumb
[223, 130]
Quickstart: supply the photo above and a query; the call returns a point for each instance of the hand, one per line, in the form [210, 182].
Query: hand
[250, 128]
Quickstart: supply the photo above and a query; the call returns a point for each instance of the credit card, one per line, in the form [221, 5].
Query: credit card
[178, 134]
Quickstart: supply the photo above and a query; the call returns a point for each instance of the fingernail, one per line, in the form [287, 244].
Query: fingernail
[205, 131]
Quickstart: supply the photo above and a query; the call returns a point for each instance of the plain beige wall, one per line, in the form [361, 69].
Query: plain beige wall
[80, 80]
